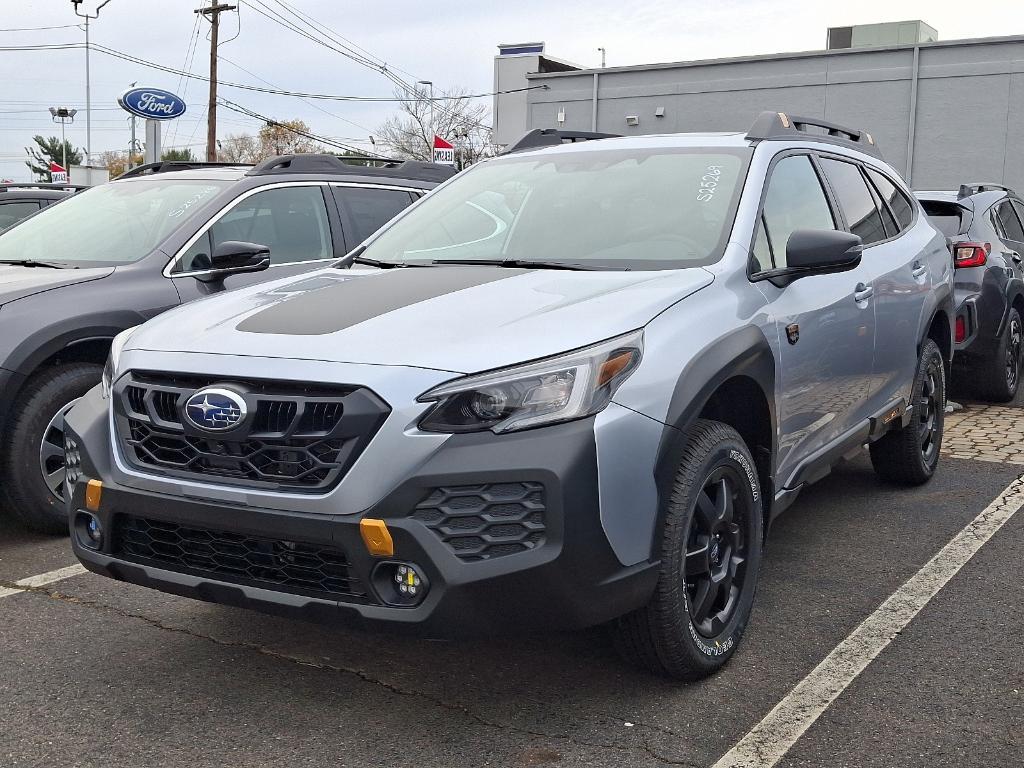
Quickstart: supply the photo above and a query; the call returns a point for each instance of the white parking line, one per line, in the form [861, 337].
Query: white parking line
[42, 579]
[781, 728]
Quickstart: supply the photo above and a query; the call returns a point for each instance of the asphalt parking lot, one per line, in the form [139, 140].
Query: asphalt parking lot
[100, 673]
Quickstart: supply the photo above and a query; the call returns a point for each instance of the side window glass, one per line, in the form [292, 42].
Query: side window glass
[892, 228]
[1019, 207]
[12, 213]
[894, 196]
[291, 221]
[370, 209]
[1008, 221]
[762, 254]
[862, 216]
[794, 200]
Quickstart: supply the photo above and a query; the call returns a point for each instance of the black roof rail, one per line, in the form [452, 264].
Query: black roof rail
[778, 126]
[553, 137]
[975, 187]
[164, 166]
[332, 164]
[42, 185]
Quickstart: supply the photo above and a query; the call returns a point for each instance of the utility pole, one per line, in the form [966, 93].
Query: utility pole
[603, 53]
[131, 145]
[88, 95]
[212, 12]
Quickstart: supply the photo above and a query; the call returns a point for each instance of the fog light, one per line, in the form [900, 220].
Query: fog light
[89, 530]
[400, 584]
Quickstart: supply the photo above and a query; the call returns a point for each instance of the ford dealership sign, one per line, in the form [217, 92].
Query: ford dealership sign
[152, 103]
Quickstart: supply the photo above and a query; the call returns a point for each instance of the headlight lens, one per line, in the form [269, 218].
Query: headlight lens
[113, 359]
[562, 388]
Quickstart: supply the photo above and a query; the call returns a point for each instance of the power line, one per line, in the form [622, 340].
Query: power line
[278, 124]
[34, 29]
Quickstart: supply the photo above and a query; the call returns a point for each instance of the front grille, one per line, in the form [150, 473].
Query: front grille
[313, 570]
[298, 436]
[481, 522]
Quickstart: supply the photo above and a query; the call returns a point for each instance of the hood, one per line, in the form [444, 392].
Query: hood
[457, 318]
[18, 282]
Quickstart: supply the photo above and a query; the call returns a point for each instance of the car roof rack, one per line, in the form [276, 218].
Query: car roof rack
[778, 126]
[164, 166]
[42, 185]
[553, 137]
[332, 164]
[975, 187]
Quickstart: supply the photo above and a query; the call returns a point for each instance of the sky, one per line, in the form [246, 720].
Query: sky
[452, 44]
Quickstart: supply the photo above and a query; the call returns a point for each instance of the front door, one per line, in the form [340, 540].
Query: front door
[290, 220]
[825, 323]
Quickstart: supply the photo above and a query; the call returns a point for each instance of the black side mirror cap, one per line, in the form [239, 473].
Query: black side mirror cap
[233, 257]
[816, 252]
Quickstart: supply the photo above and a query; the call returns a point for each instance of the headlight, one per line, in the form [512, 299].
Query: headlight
[110, 367]
[569, 386]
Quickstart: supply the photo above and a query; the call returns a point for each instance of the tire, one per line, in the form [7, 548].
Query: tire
[37, 415]
[999, 375]
[678, 634]
[910, 454]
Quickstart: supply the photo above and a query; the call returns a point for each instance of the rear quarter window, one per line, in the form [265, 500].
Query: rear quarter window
[948, 218]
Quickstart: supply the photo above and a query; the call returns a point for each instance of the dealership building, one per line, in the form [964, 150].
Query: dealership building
[942, 112]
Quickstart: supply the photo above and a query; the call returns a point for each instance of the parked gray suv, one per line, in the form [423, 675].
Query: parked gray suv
[75, 275]
[572, 386]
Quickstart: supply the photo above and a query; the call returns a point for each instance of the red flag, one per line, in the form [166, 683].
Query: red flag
[55, 168]
[440, 143]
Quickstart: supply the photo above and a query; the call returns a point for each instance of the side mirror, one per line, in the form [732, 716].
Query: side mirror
[233, 257]
[822, 251]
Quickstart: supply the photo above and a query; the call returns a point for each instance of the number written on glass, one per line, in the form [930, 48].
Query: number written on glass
[709, 183]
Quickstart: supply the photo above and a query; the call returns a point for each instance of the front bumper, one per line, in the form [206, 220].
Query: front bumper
[569, 579]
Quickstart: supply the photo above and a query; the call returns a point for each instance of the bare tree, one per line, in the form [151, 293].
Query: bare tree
[278, 137]
[456, 118]
[239, 148]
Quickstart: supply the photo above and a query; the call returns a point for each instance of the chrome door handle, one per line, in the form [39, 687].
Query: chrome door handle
[863, 292]
[920, 270]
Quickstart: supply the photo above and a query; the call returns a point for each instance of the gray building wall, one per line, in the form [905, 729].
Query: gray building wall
[942, 113]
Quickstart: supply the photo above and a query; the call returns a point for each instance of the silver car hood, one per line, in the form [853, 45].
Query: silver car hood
[462, 319]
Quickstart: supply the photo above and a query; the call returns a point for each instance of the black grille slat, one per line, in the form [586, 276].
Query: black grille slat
[136, 399]
[482, 522]
[294, 437]
[288, 566]
[165, 406]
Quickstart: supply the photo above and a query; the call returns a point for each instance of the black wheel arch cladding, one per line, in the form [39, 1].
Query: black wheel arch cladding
[739, 364]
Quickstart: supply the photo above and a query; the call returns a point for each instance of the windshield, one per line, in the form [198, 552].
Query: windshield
[110, 224]
[613, 209]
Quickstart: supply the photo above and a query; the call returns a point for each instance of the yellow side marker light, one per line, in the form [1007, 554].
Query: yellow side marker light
[93, 494]
[376, 537]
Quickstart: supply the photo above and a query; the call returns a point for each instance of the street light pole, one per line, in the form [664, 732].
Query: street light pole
[63, 115]
[88, 95]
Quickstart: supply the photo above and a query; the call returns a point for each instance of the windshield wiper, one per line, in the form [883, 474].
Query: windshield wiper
[522, 264]
[34, 263]
[356, 257]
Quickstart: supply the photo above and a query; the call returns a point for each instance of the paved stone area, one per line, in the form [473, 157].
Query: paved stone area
[985, 433]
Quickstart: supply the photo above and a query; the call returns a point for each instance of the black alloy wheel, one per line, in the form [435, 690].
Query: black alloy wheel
[716, 551]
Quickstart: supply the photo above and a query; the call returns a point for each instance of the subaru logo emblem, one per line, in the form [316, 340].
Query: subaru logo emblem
[215, 410]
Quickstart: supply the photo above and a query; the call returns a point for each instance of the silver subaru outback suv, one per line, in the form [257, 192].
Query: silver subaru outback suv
[571, 386]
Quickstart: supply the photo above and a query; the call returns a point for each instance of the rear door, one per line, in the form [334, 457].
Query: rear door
[826, 323]
[1009, 215]
[896, 268]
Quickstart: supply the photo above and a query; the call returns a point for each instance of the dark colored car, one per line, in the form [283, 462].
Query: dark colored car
[985, 227]
[75, 275]
[19, 201]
